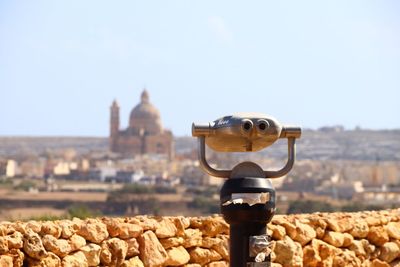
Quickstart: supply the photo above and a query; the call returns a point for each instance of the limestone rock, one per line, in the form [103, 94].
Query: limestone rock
[133, 247]
[278, 232]
[185, 221]
[52, 260]
[15, 240]
[50, 228]
[303, 233]
[181, 223]
[18, 257]
[146, 223]
[93, 231]
[3, 230]
[203, 256]
[3, 245]
[288, 253]
[127, 230]
[209, 242]
[60, 247]
[152, 253]
[177, 256]
[166, 228]
[360, 229]
[347, 239]
[76, 259]
[379, 263]
[35, 226]
[33, 245]
[346, 258]
[319, 225]
[171, 242]
[218, 264]
[318, 253]
[6, 261]
[92, 254]
[19, 227]
[358, 247]
[372, 221]
[76, 242]
[393, 230]
[290, 227]
[214, 226]
[68, 228]
[122, 229]
[133, 262]
[339, 224]
[196, 222]
[112, 225]
[334, 238]
[193, 238]
[389, 252]
[377, 235]
[223, 247]
[113, 252]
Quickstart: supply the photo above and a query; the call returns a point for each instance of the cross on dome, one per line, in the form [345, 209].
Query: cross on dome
[145, 96]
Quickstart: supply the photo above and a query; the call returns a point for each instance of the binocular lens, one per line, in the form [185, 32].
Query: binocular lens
[262, 125]
[247, 125]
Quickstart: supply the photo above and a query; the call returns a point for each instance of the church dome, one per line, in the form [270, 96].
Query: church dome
[145, 118]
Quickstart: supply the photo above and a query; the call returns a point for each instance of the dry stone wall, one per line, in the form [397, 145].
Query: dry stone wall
[319, 239]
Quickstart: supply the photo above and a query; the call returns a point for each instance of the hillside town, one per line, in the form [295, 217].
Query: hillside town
[144, 168]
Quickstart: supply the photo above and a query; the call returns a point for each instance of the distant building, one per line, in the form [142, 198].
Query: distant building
[144, 135]
[332, 129]
[379, 195]
[12, 168]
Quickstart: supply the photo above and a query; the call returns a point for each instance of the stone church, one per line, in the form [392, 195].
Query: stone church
[144, 135]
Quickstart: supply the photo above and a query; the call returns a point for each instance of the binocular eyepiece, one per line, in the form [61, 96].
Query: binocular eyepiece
[243, 132]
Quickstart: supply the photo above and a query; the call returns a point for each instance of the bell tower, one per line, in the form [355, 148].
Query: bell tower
[114, 124]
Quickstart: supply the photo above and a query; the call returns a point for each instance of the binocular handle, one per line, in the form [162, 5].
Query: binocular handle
[227, 173]
[290, 132]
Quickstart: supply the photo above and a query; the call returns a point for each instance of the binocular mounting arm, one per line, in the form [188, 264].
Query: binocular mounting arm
[227, 173]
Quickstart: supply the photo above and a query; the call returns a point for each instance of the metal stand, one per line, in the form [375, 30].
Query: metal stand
[247, 197]
[249, 243]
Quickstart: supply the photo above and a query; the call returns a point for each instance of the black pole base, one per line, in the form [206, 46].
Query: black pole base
[248, 223]
[239, 246]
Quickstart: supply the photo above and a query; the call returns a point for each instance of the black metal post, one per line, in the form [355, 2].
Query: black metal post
[247, 221]
[239, 242]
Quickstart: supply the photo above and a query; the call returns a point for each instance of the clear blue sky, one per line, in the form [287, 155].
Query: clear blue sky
[312, 63]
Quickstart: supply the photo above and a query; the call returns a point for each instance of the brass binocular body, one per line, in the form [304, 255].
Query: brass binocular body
[244, 132]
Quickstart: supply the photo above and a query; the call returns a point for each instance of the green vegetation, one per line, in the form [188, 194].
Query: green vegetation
[154, 206]
[48, 217]
[208, 191]
[357, 206]
[5, 182]
[82, 211]
[25, 185]
[206, 205]
[145, 189]
[309, 206]
[77, 210]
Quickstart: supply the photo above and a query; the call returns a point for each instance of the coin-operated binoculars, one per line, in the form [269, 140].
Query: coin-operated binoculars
[247, 198]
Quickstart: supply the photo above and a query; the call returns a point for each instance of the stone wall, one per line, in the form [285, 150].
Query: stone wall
[319, 239]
